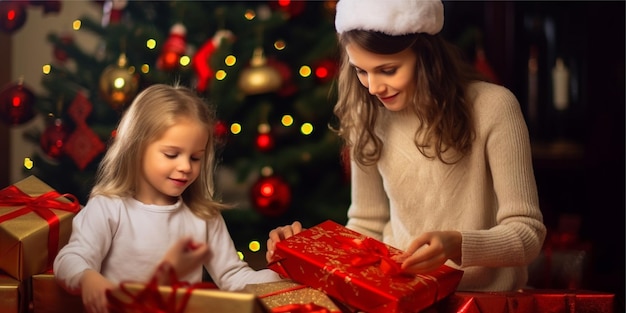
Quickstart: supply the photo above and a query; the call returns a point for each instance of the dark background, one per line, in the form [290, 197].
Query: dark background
[579, 153]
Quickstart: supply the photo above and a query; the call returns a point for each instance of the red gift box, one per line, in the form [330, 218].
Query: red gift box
[570, 301]
[487, 302]
[358, 270]
[527, 301]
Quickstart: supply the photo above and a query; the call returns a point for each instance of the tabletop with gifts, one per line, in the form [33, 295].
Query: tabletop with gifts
[327, 268]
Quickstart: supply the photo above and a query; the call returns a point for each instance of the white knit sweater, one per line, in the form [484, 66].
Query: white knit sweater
[125, 240]
[490, 196]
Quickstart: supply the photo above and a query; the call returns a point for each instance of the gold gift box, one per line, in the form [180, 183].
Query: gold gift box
[24, 239]
[49, 297]
[12, 298]
[201, 300]
[282, 293]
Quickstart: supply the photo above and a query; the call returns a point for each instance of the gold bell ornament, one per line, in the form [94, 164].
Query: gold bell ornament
[119, 83]
[259, 77]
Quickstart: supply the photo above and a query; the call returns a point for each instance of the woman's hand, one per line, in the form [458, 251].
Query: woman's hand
[278, 234]
[431, 250]
[93, 288]
[185, 256]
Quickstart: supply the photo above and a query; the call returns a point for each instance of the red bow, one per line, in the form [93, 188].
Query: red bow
[42, 205]
[371, 252]
[150, 300]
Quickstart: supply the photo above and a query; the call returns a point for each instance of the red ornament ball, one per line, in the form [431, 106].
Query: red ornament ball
[59, 52]
[53, 139]
[16, 104]
[271, 196]
[12, 15]
[264, 142]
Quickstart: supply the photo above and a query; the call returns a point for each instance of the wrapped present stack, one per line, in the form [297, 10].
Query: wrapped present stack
[35, 222]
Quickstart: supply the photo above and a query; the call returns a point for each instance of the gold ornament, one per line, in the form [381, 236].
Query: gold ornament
[259, 77]
[119, 83]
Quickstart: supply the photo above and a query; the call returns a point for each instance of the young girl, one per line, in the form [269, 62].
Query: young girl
[440, 160]
[154, 192]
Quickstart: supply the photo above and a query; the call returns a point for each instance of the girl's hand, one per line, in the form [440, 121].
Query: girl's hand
[278, 234]
[185, 256]
[431, 250]
[93, 288]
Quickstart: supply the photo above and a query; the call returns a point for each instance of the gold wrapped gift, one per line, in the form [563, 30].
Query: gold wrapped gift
[135, 297]
[288, 293]
[12, 298]
[35, 222]
[49, 297]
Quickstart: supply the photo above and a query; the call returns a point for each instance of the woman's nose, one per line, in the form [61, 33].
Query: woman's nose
[375, 86]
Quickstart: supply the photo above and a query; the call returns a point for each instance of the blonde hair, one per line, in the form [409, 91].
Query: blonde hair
[442, 76]
[151, 113]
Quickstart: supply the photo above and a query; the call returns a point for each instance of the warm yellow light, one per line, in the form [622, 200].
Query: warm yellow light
[249, 15]
[263, 128]
[305, 71]
[28, 163]
[287, 120]
[151, 44]
[46, 68]
[254, 246]
[145, 68]
[76, 24]
[185, 60]
[119, 83]
[267, 171]
[230, 60]
[235, 128]
[220, 75]
[306, 128]
[280, 44]
[240, 255]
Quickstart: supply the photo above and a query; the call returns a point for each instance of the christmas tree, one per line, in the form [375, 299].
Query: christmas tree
[267, 66]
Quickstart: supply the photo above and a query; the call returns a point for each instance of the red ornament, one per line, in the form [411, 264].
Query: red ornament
[483, 66]
[325, 70]
[201, 61]
[288, 87]
[53, 139]
[12, 15]
[264, 142]
[220, 129]
[173, 48]
[16, 104]
[291, 7]
[83, 145]
[59, 52]
[271, 196]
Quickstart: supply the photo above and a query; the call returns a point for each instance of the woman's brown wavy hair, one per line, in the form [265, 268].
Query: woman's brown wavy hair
[442, 77]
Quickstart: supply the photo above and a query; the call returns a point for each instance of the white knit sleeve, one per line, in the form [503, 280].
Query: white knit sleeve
[369, 211]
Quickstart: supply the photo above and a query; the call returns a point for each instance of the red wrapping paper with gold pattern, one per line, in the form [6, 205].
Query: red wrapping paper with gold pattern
[487, 302]
[570, 301]
[527, 301]
[35, 222]
[358, 271]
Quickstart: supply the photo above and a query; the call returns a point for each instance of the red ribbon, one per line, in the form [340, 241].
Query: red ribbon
[150, 300]
[371, 252]
[42, 205]
[300, 308]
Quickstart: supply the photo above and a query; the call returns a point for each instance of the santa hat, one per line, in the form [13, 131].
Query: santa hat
[392, 17]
